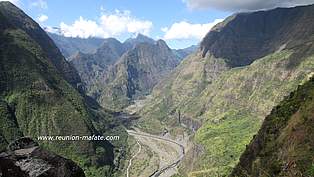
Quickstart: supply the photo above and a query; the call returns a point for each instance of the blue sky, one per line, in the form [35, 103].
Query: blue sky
[161, 14]
[180, 22]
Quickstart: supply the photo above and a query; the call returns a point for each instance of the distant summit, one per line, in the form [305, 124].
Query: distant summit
[183, 53]
[70, 46]
[140, 38]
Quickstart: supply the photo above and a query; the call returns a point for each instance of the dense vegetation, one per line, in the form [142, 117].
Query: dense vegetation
[40, 94]
[227, 100]
[284, 144]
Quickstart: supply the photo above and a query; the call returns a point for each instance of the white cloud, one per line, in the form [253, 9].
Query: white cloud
[238, 5]
[186, 30]
[52, 29]
[122, 21]
[135, 26]
[83, 28]
[108, 25]
[42, 18]
[39, 4]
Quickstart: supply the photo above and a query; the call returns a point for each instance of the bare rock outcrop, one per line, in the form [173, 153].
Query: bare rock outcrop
[24, 158]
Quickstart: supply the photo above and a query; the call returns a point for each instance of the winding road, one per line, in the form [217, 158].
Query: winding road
[163, 169]
[130, 161]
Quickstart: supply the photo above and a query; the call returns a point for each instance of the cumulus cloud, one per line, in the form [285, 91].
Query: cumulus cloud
[39, 4]
[82, 28]
[238, 5]
[108, 25]
[186, 30]
[52, 29]
[42, 18]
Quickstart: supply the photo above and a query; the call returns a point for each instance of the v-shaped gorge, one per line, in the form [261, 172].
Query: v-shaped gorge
[244, 67]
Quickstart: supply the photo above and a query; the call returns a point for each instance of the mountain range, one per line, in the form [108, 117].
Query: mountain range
[117, 73]
[71, 46]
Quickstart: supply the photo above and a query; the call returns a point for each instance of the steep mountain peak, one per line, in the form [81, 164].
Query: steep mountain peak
[17, 19]
[245, 37]
[111, 45]
[161, 43]
[111, 40]
[140, 38]
[107, 54]
[137, 72]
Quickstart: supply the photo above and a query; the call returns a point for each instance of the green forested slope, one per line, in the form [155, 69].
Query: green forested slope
[40, 95]
[241, 99]
[284, 144]
[230, 84]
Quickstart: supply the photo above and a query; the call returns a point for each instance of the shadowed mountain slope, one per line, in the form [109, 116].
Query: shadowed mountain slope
[240, 42]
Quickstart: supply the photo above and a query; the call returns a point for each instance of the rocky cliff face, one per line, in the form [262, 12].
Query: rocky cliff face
[24, 158]
[284, 145]
[136, 72]
[140, 38]
[93, 67]
[121, 72]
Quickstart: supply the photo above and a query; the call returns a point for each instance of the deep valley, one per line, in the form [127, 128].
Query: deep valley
[238, 104]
